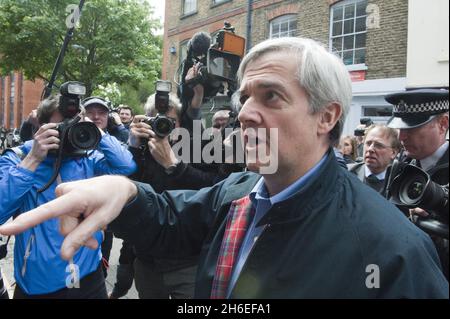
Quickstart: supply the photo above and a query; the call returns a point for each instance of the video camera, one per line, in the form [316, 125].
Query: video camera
[362, 131]
[219, 63]
[412, 187]
[161, 124]
[76, 137]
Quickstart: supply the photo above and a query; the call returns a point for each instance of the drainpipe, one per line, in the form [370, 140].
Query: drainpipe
[249, 25]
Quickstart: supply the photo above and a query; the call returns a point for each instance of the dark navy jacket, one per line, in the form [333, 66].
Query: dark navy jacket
[330, 240]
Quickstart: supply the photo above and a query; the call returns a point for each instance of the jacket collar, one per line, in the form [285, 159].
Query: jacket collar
[444, 159]
[313, 192]
[311, 195]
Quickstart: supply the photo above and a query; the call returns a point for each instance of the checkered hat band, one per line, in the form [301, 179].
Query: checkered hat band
[428, 108]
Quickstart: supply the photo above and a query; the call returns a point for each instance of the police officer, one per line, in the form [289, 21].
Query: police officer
[423, 120]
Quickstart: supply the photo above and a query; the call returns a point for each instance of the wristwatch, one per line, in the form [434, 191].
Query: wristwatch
[171, 169]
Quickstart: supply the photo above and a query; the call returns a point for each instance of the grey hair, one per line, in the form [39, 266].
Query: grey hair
[174, 103]
[320, 73]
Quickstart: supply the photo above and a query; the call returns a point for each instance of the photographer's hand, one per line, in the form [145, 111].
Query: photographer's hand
[138, 131]
[45, 139]
[199, 90]
[90, 209]
[417, 211]
[161, 150]
[116, 118]
[32, 118]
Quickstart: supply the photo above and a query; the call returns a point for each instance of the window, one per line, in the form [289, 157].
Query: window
[377, 111]
[348, 31]
[284, 26]
[214, 2]
[183, 51]
[190, 6]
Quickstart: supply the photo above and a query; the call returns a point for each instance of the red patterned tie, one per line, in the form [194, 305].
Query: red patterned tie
[239, 217]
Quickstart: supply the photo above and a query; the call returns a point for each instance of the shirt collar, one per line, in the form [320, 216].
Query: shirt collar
[380, 176]
[432, 160]
[259, 192]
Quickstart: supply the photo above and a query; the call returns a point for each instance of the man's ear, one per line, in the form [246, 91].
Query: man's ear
[443, 123]
[328, 118]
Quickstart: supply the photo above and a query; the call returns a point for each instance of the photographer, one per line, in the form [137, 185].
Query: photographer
[29, 127]
[126, 115]
[158, 166]
[39, 270]
[359, 133]
[422, 118]
[98, 110]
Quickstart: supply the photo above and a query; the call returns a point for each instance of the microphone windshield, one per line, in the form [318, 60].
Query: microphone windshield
[200, 43]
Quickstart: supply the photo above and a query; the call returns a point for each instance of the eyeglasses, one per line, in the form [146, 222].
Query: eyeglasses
[376, 145]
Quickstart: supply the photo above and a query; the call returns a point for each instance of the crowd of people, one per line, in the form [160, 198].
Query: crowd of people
[310, 230]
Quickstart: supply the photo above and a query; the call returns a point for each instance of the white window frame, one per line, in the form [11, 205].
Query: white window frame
[183, 50]
[215, 2]
[343, 4]
[287, 18]
[192, 6]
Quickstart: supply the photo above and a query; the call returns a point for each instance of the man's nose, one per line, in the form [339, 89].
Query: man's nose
[249, 113]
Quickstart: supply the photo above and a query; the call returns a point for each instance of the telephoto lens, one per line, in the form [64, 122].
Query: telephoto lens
[84, 136]
[77, 137]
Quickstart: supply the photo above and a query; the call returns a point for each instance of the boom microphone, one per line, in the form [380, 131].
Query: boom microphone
[200, 43]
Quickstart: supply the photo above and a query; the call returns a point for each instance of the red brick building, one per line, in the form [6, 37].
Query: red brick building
[18, 97]
[369, 35]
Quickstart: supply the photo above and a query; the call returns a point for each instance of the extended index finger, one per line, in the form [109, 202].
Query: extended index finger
[60, 206]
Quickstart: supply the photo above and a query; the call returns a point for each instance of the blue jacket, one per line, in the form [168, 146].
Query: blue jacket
[38, 267]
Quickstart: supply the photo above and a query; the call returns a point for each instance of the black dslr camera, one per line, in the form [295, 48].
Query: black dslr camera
[76, 137]
[161, 124]
[412, 187]
[362, 131]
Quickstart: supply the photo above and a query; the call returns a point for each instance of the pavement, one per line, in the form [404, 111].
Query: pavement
[7, 269]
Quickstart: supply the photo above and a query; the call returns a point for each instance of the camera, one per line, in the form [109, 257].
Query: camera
[69, 101]
[219, 63]
[161, 124]
[412, 187]
[362, 131]
[76, 137]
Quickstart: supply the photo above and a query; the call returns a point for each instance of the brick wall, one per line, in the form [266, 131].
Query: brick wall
[27, 97]
[386, 45]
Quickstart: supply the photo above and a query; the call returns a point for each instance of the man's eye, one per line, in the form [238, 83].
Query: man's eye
[271, 95]
[243, 99]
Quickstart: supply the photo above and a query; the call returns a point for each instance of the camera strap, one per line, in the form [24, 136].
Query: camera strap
[4, 249]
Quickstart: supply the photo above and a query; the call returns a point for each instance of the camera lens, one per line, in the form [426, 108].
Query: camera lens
[84, 136]
[163, 126]
[412, 190]
[415, 190]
